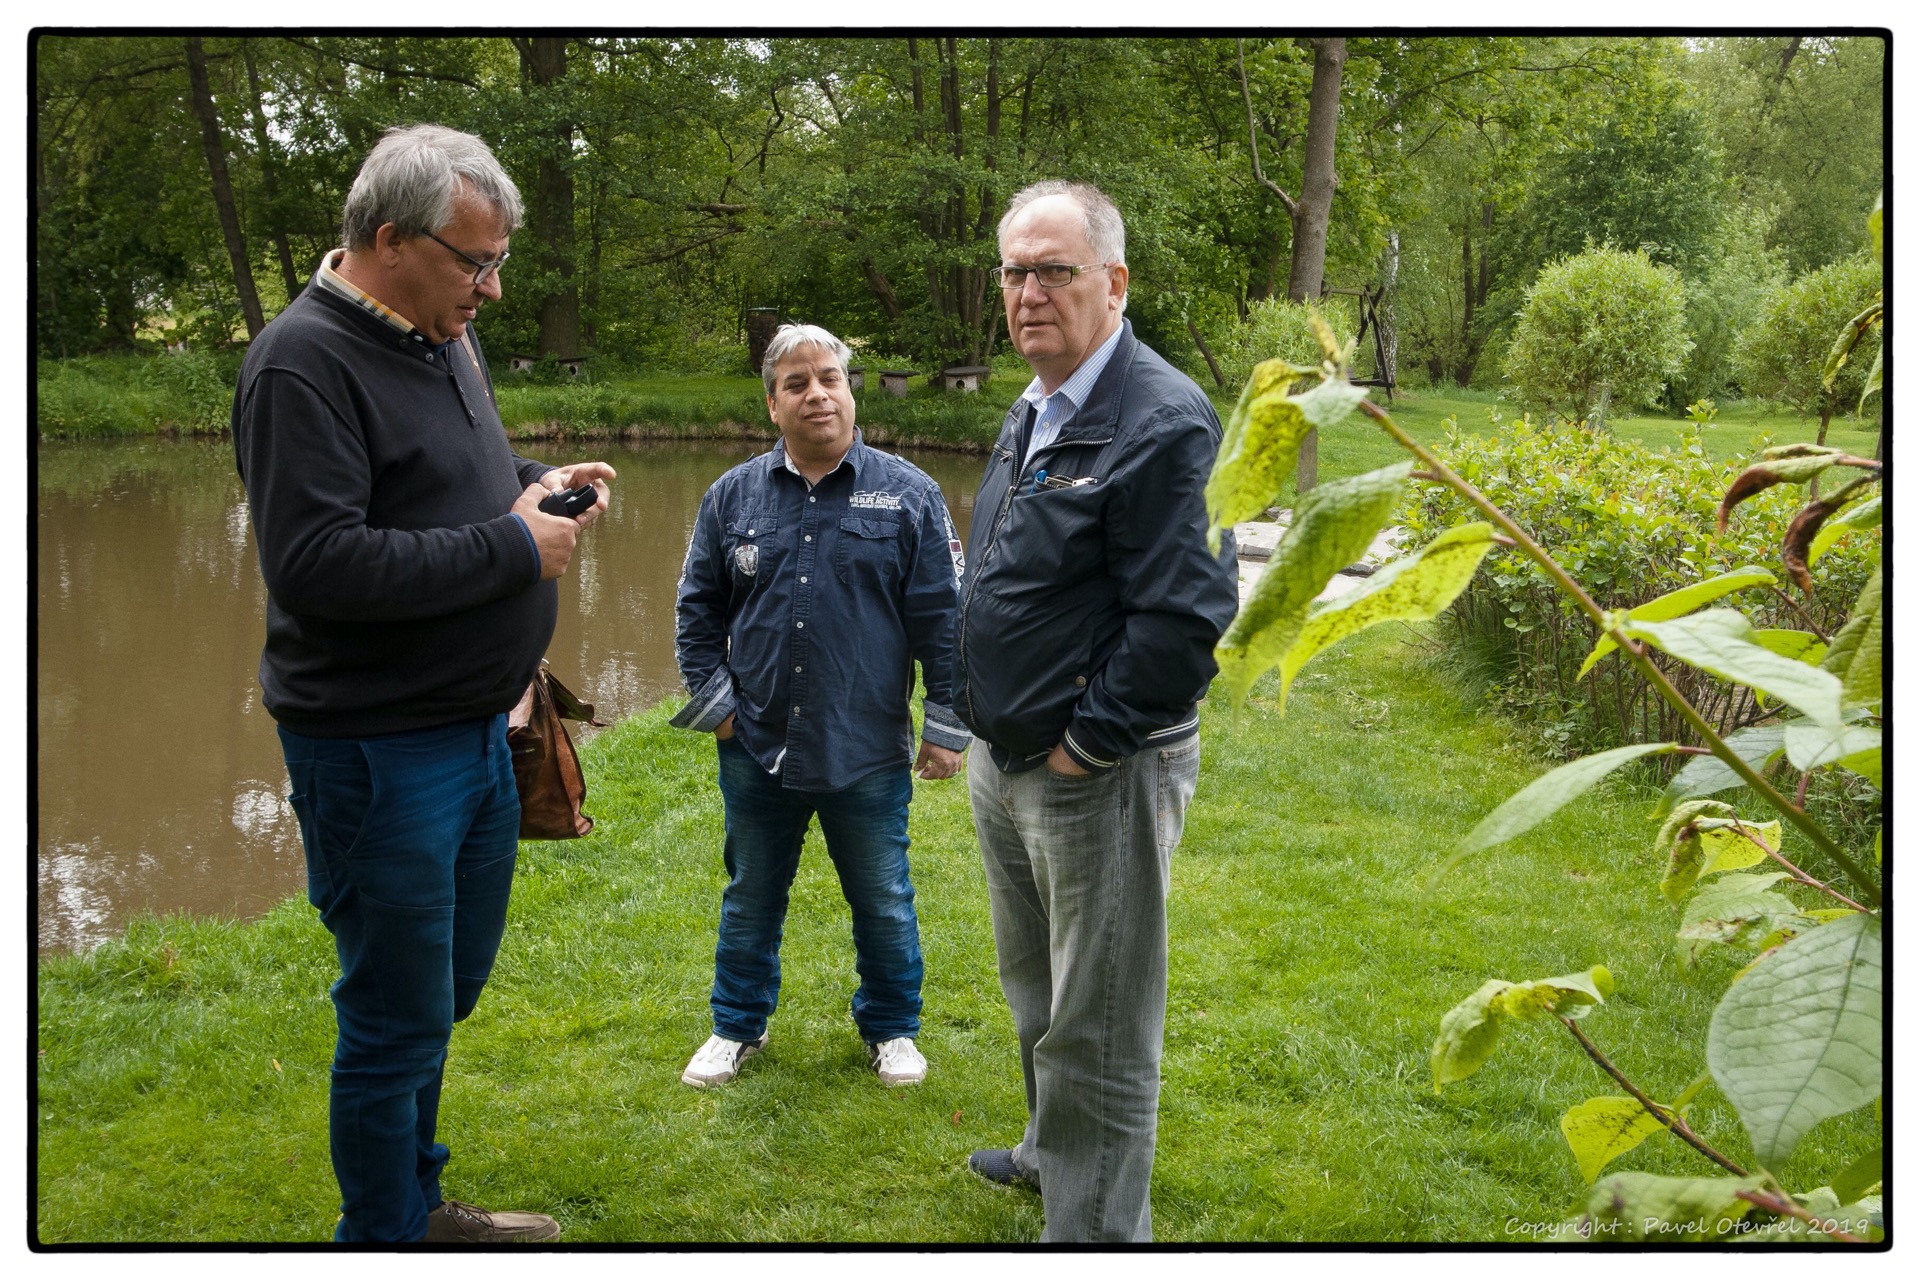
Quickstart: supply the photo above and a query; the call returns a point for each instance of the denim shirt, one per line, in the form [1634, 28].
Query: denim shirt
[802, 610]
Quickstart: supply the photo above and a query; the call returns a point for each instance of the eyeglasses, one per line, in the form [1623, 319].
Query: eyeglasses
[481, 270]
[1052, 275]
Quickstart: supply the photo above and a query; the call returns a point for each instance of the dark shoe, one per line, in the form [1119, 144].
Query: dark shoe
[996, 1165]
[457, 1223]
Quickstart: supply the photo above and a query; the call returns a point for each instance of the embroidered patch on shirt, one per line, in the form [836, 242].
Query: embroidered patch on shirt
[954, 549]
[873, 499]
[746, 558]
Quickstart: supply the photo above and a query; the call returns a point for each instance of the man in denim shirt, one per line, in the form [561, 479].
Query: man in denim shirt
[818, 574]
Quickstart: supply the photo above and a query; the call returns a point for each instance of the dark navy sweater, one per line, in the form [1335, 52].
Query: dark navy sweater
[401, 592]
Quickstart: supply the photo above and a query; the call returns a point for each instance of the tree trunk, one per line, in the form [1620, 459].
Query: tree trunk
[269, 178]
[543, 64]
[223, 187]
[1213, 366]
[1317, 177]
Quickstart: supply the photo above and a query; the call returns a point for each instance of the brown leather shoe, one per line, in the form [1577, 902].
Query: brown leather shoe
[457, 1223]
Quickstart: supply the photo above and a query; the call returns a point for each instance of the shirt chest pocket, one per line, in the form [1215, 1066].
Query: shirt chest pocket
[869, 552]
[753, 550]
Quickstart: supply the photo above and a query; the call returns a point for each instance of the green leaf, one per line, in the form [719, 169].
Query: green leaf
[1850, 335]
[1801, 646]
[1854, 655]
[1799, 1040]
[1413, 588]
[1707, 775]
[1811, 745]
[1733, 910]
[1631, 1207]
[1469, 1030]
[1679, 842]
[1725, 849]
[1865, 515]
[1692, 1091]
[1547, 795]
[1719, 642]
[1332, 527]
[1601, 1130]
[1874, 380]
[1329, 403]
[1861, 1177]
[1258, 448]
[1679, 603]
[1865, 763]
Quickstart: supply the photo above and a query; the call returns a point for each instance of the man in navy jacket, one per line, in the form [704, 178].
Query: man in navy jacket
[410, 595]
[818, 574]
[1087, 625]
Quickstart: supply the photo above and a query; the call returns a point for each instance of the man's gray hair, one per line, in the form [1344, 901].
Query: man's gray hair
[789, 336]
[1106, 233]
[411, 178]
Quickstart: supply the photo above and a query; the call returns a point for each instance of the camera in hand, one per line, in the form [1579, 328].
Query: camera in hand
[569, 502]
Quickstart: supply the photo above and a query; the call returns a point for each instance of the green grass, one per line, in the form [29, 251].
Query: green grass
[182, 1077]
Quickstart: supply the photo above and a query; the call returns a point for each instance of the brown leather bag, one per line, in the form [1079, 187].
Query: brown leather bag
[545, 766]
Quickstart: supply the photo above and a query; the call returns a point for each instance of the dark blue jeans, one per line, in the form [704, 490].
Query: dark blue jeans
[410, 840]
[865, 826]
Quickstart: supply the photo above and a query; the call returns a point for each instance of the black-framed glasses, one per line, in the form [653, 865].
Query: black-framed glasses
[1052, 275]
[481, 270]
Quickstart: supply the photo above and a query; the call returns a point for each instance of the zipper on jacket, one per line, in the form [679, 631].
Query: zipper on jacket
[993, 540]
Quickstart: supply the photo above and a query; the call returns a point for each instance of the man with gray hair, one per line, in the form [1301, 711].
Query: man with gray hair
[411, 592]
[1086, 638]
[817, 575]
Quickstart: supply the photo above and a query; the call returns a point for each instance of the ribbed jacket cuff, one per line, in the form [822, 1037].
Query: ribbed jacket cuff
[940, 726]
[709, 706]
[1083, 757]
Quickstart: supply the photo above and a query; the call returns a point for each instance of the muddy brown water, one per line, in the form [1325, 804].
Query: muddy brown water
[159, 781]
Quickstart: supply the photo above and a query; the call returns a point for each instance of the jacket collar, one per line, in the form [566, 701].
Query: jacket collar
[1099, 417]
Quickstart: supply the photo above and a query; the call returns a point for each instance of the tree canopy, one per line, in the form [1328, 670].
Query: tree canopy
[184, 185]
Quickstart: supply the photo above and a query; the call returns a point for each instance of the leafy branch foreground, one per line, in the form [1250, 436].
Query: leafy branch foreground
[182, 1082]
[1796, 1039]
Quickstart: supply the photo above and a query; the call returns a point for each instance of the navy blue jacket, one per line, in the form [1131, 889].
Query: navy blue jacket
[802, 611]
[1090, 611]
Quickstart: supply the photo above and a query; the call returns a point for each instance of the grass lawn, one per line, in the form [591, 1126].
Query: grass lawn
[181, 1082]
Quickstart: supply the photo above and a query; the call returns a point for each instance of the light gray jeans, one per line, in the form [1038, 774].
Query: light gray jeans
[1077, 878]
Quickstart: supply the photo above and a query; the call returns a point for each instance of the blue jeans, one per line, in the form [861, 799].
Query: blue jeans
[410, 839]
[1077, 875]
[865, 826]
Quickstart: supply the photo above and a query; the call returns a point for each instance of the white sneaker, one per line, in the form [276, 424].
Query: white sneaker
[897, 1062]
[719, 1060]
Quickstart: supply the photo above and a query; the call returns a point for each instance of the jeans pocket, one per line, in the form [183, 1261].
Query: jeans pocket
[1176, 777]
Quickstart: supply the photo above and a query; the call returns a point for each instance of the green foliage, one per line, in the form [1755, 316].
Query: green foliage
[189, 393]
[1605, 321]
[1277, 329]
[1548, 794]
[1332, 527]
[1601, 1130]
[1783, 353]
[1797, 1040]
[1471, 1029]
[1682, 601]
[1635, 525]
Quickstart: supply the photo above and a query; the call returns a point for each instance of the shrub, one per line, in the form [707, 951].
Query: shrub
[1783, 354]
[1602, 320]
[1278, 329]
[1631, 524]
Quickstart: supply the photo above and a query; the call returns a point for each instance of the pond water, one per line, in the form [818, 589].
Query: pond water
[159, 780]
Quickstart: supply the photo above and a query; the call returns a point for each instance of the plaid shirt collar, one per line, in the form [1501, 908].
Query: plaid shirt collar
[333, 282]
